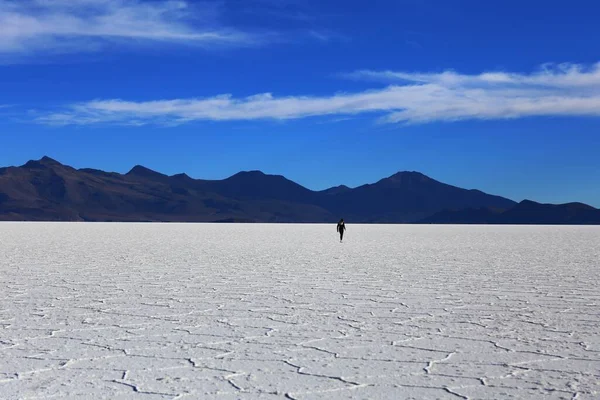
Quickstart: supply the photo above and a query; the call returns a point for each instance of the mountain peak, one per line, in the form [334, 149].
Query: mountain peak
[527, 202]
[580, 205]
[407, 177]
[43, 162]
[254, 174]
[413, 174]
[140, 170]
[49, 161]
[573, 205]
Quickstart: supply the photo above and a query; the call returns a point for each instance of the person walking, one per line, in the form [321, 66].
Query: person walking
[341, 227]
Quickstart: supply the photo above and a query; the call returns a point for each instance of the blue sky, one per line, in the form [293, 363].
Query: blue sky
[499, 96]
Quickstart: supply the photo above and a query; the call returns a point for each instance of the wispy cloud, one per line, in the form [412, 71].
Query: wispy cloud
[563, 90]
[549, 75]
[34, 27]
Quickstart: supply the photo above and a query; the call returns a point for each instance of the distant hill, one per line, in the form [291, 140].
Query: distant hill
[525, 212]
[46, 190]
[407, 197]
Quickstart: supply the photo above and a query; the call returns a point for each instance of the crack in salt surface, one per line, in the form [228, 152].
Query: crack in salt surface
[136, 389]
[432, 363]
[299, 370]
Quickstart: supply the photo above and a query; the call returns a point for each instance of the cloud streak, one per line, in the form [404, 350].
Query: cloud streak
[563, 90]
[557, 76]
[34, 27]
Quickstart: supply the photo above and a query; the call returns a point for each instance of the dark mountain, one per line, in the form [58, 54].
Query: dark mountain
[530, 212]
[407, 197]
[47, 190]
[146, 173]
[255, 185]
[526, 212]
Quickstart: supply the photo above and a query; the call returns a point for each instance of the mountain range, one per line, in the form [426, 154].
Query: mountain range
[46, 190]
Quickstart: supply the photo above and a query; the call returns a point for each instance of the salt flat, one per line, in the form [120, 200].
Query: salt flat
[200, 311]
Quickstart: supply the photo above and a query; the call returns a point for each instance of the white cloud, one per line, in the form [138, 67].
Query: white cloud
[33, 27]
[565, 90]
[549, 75]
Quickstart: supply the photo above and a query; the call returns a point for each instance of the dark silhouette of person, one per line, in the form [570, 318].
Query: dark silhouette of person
[341, 227]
